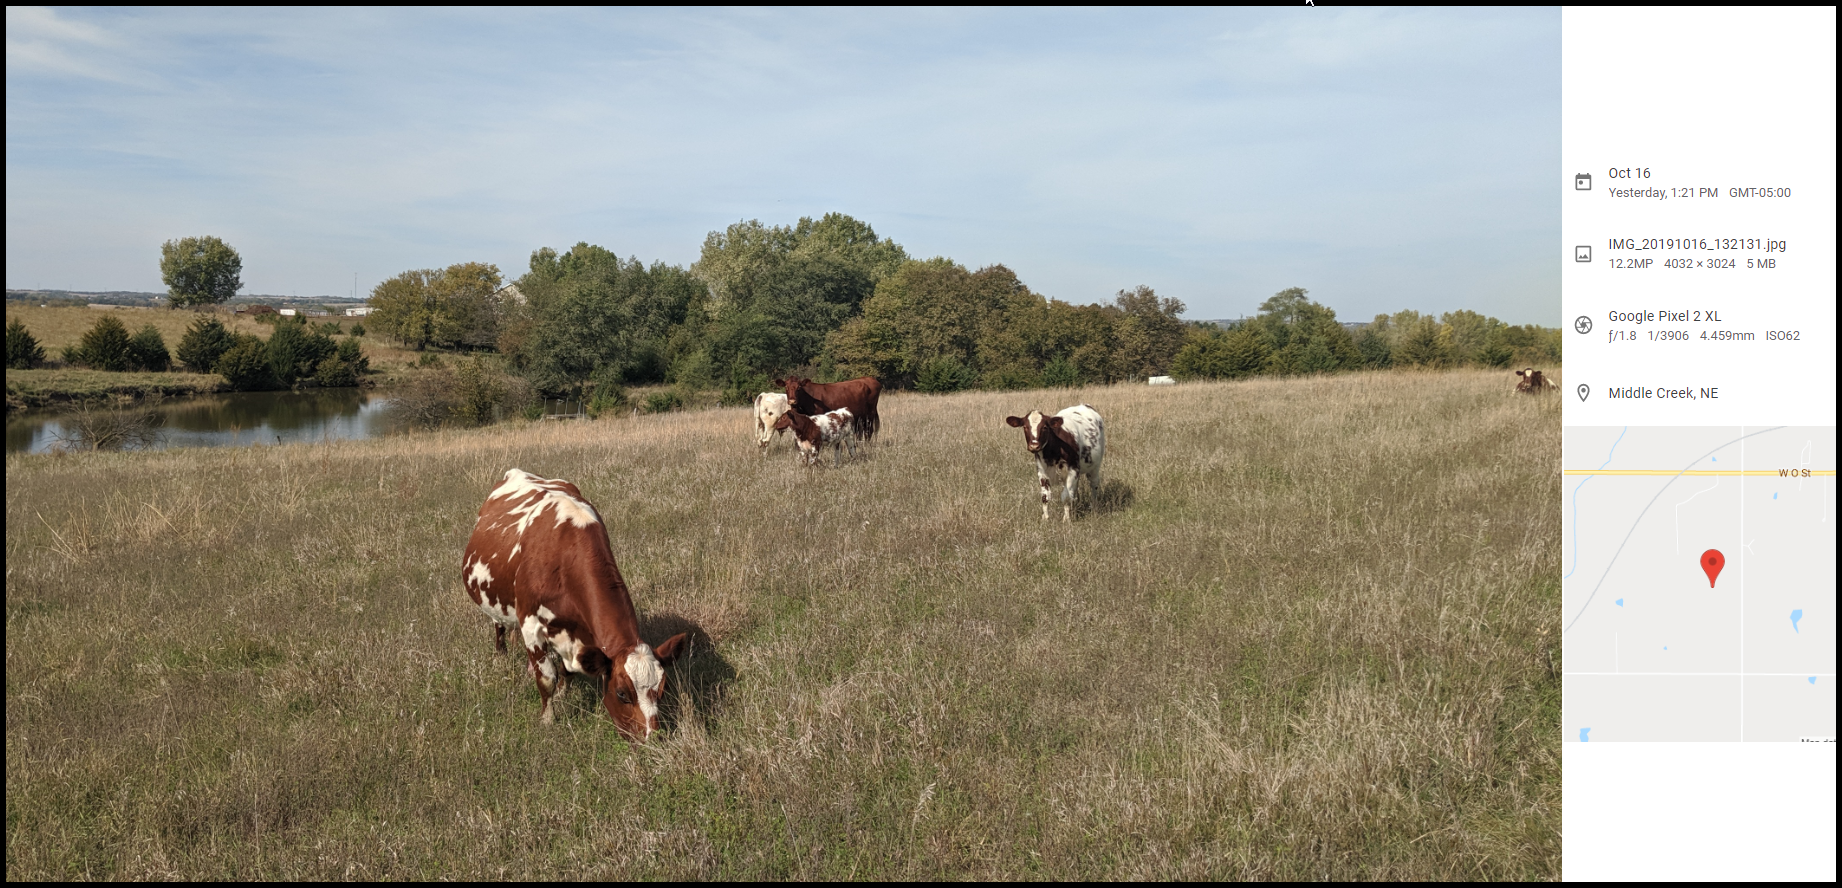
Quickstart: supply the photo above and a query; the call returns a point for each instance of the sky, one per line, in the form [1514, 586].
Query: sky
[1381, 159]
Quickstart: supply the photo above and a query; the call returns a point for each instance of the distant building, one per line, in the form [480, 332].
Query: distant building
[510, 293]
[359, 312]
[287, 312]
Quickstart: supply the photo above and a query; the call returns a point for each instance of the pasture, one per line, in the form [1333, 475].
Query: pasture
[1308, 632]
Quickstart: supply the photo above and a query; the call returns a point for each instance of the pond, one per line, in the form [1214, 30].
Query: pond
[242, 419]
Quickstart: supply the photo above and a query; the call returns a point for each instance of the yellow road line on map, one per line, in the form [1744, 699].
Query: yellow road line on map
[1757, 473]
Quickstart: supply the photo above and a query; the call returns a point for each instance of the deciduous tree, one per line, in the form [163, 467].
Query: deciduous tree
[200, 271]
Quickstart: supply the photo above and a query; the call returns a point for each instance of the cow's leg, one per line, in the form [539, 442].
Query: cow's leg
[1093, 484]
[1068, 492]
[550, 683]
[498, 636]
[1042, 478]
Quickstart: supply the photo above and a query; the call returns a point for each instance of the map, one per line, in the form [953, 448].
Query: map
[1699, 583]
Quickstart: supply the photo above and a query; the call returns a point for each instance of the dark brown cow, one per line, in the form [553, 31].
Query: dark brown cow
[539, 560]
[1532, 382]
[856, 395]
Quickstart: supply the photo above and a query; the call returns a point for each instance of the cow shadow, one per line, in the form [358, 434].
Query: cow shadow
[701, 675]
[1113, 496]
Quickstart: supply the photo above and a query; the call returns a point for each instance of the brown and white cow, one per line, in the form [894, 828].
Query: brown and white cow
[769, 408]
[1533, 382]
[1073, 440]
[856, 395]
[815, 433]
[539, 561]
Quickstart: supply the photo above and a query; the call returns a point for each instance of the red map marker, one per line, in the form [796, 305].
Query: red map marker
[1711, 563]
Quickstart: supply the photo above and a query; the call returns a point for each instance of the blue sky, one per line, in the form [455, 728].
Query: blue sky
[1382, 159]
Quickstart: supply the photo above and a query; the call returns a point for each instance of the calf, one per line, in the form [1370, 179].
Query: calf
[1073, 440]
[1533, 382]
[813, 433]
[769, 407]
[539, 560]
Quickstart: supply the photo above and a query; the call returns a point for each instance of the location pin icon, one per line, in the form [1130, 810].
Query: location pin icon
[1584, 390]
[1711, 563]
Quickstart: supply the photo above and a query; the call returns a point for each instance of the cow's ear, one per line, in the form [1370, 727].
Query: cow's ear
[672, 647]
[1015, 422]
[1055, 422]
[595, 663]
[780, 383]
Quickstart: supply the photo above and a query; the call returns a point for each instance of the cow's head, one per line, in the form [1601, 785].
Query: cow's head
[635, 684]
[1526, 374]
[1036, 428]
[784, 422]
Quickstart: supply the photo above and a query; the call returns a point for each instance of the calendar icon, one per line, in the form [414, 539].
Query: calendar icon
[1582, 182]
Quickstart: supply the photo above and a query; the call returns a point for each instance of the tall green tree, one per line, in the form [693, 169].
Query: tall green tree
[295, 350]
[1425, 344]
[200, 271]
[1304, 336]
[777, 292]
[105, 345]
[1149, 332]
[147, 351]
[22, 348]
[927, 313]
[1221, 354]
[587, 313]
[205, 341]
[455, 307]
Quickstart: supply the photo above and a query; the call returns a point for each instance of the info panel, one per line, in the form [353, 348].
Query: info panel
[1698, 463]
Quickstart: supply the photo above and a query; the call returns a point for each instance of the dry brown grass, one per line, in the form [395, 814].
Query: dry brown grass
[1304, 636]
[60, 325]
[57, 326]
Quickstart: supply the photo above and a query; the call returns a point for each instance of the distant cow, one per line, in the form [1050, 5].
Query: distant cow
[539, 560]
[1532, 382]
[815, 433]
[1073, 440]
[769, 408]
[856, 395]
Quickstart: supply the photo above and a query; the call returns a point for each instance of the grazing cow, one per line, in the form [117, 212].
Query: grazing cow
[814, 433]
[1074, 440]
[539, 561]
[769, 408]
[856, 395]
[1532, 382]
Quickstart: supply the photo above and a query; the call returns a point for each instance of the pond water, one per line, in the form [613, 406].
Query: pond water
[242, 419]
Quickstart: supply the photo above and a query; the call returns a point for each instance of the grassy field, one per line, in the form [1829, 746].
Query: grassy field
[1308, 633]
[48, 386]
[61, 325]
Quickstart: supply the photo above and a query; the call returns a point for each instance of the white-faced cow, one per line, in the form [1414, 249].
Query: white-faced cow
[1073, 440]
[769, 408]
[815, 433]
[539, 561]
[1533, 382]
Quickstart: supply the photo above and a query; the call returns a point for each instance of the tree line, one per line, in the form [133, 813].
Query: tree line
[832, 299]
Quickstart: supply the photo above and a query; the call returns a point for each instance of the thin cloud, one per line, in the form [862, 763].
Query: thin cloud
[1216, 155]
